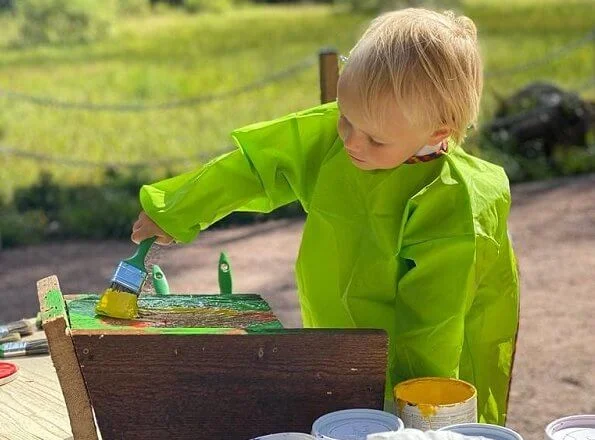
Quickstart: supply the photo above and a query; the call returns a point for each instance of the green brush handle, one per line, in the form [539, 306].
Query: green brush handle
[138, 259]
[159, 281]
[225, 286]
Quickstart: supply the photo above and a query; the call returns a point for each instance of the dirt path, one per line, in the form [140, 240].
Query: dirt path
[553, 226]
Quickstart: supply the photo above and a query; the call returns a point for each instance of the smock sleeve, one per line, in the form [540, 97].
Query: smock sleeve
[276, 162]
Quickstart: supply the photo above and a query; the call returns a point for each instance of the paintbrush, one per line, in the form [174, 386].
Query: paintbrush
[11, 337]
[23, 327]
[120, 299]
[24, 348]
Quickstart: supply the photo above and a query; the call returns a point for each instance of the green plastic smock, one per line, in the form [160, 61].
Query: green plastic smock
[421, 251]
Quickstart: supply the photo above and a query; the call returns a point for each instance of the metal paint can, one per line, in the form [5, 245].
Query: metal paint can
[286, 436]
[491, 432]
[354, 424]
[578, 427]
[431, 403]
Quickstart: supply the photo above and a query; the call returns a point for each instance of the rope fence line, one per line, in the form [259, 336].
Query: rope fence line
[552, 56]
[188, 102]
[41, 157]
[64, 161]
[263, 82]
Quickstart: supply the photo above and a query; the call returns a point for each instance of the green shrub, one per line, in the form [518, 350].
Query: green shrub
[64, 21]
[47, 210]
[217, 6]
[21, 228]
[6, 5]
[98, 212]
[575, 160]
[83, 211]
[566, 161]
[45, 195]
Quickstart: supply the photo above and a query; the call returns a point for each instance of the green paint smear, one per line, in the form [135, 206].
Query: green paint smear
[53, 305]
[235, 302]
[266, 326]
[179, 314]
[232, 302]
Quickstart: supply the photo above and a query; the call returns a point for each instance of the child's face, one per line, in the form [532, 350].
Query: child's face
[378, 145]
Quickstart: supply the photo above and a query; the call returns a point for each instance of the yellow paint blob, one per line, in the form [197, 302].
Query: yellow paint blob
[117, 304]
[426, 410]
[434, 391]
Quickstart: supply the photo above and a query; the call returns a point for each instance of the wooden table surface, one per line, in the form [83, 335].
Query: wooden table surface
[32, 405]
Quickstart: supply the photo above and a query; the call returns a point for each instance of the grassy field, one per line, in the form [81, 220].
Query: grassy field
[172, 56]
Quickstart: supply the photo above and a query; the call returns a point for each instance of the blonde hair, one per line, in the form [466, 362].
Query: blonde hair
[428, 61]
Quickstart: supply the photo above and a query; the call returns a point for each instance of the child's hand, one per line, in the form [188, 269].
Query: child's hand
[144, 228]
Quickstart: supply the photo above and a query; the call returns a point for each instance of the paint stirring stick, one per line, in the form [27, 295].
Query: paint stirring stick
[24, 348]
[225, 283]
[159, 281]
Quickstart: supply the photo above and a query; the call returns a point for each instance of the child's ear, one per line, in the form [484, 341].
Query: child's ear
[439, 135]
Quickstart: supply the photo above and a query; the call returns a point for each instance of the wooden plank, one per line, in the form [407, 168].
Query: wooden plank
[55, 325]
[179, 314]
[32, 406]
[228, 386]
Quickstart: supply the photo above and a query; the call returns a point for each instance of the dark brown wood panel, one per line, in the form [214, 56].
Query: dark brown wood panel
[228, 386]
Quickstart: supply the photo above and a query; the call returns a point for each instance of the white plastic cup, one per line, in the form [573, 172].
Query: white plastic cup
[286, 436]
[578, 427]
[354, 424]
[491, 432]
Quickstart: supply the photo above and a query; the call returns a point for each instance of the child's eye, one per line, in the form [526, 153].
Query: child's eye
[375, 142]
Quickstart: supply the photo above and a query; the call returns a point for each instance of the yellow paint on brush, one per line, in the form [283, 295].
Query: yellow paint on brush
[117, 304]
[429, 393]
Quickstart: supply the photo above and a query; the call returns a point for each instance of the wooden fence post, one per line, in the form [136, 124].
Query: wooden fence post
[329, 74]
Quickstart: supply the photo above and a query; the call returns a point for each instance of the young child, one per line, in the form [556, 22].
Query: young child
[405, 231]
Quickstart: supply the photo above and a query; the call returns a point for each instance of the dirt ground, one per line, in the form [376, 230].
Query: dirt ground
[553, 228]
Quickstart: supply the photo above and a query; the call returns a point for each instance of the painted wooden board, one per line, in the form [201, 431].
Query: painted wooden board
[233, 387]
[188, 314]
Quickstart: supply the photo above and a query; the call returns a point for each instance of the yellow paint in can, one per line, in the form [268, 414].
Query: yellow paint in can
[433, 402]
[117, 304]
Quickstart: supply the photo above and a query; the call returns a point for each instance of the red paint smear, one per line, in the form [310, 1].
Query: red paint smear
[140, 324]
